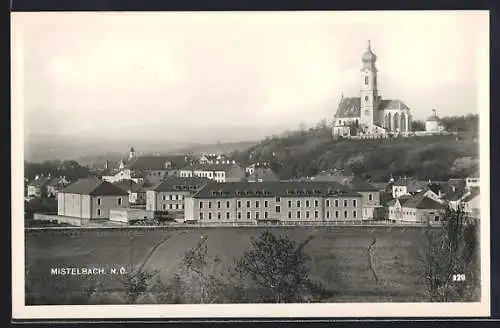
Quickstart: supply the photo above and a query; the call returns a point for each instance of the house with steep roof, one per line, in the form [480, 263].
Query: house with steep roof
[55, 185]
[406, 186]
[417, 208]
[275, 201]
[261, 174]
[369, 114]
[38, 187]
[90, 199]
[471, 203]
[169, 194]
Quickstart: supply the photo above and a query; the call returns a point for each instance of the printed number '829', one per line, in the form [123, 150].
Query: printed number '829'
[459, 277]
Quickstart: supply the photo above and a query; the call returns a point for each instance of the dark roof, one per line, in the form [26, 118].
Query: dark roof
[56, 182]
[434, 187]
[349, 107]
[358, 184]
[179, 184]
[275, 189]
[95, 187]
[412, 185]
[402, 200]
[380, 185]
[40, 182]
[392, 104]
[420, 201]
[474, 175]
[264, 174]
[139, 187]
[454, 195]
[155, 162]
[212, 167]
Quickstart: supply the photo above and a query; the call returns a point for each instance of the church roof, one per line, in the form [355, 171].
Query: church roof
[95, 187]
[349, 107]
[433, 118]
[392, 104]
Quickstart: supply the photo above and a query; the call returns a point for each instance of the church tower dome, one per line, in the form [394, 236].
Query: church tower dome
[369, 58]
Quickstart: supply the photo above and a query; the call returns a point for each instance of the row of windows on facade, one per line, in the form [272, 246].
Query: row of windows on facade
[173, 197]
[290, 215]
[307, 203]
[118, 201]
[204, 174]
[171, 206]
[412, 213]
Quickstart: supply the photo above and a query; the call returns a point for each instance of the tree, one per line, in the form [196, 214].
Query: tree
[277, 265]
[417, 126]
[450, 259]
[136, 284]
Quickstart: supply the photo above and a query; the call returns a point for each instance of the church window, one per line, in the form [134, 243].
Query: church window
[366, 98]
[366, 80]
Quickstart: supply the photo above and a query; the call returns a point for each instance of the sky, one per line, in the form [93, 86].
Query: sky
[93, 73]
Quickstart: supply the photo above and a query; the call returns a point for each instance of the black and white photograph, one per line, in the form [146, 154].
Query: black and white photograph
[250, 164]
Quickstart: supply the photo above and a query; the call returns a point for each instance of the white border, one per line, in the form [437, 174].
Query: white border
[324, 310]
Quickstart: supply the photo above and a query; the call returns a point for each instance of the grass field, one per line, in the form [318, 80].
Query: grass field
[355, 264]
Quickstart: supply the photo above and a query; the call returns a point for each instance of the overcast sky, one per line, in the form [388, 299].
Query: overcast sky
[90, 71]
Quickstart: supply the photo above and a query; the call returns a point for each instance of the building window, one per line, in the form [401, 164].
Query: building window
[370, 197]
[277, 199]
[119, 201]
[209, 204]
[265, 203]
[327, 214]
[366, 80]
[257, 204]
[257, 215]
[354, 202]
[307, 214]
[164, 197]
[336, 203]
[327, 203]
[170, 206]
[289, 203]
[248, 215]
[307, 203]
[201, 216]
[298, 214]
[227, 204]
[201, 204]
[345, 203]
[239, 204]
[278, 209]
[298, 203]
[248, 203]
[98, 212]
[345, 214]
[210, 216]
[316, 214]
[98, 201]
[316, 203]
[289, 214]
[218, 215]
[218, 204]
[336, 214]
[164, 206]
[177, 206]
[366, 98]
[170, 197]
[354, 214]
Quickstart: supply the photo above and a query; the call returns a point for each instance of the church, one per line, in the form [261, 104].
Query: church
[369, 115]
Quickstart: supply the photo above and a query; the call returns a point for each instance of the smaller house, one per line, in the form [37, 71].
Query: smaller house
[90, 198]
[407, 186]
[38, 187]
[55, 185]
[472, 181]
[471, 204]
[221, 172]
[261, 174]
[417, 208]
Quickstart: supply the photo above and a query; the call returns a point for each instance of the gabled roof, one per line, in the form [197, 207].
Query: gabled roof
[349, 107]
[155, 162]
[412, 185]
[40, 182]
[420, 201]
[474, 192]
[392, 104]
[353, 182]
[474, 175]
[275, 189]
[179, 184]
[264, 174]
[95, 187]
[125, 184]
[402, 200]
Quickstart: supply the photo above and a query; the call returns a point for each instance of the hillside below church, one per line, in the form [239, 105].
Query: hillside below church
[306, 153]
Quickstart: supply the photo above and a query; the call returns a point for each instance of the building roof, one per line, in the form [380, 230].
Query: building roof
[179, 184]
[392, 104]
[380, 185]
[155, 162]
[412, 185]
[125, 184]
[353, 182]
[473, 193]
[262, 174]
[402, 200]
[349, 107]
[57, 182]
[420, 201]
[275, 189]
[40, 182]
[226, 167]
[95, 187]
[474, 175]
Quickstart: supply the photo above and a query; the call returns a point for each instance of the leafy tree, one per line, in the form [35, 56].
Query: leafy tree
[136, 284]
[450, 259]
[417, 126]
[277, 265]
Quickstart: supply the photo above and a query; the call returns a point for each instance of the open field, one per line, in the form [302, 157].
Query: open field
[360, 264]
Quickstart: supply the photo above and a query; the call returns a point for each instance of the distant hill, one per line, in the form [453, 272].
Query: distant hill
[305, 153]
[226, 147]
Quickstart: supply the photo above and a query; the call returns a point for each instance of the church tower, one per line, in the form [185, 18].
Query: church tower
[131, 154]
[369, 93]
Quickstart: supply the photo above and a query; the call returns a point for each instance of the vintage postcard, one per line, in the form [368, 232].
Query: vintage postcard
[250, 164]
